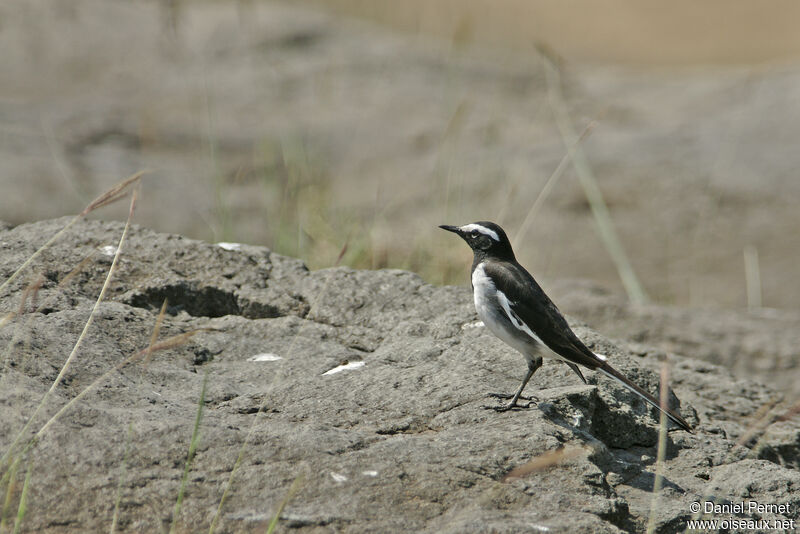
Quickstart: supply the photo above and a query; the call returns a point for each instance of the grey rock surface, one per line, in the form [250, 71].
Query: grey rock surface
[752, 343]
[371, 388]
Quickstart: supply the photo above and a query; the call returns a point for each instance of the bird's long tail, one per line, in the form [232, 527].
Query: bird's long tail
[619, 377]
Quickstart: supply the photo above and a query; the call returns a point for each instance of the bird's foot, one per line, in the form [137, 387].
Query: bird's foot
[508, 407]
[510, 396]
[514, 405]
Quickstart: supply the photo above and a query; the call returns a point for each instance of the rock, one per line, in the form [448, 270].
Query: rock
[761, 342]
[369, 387]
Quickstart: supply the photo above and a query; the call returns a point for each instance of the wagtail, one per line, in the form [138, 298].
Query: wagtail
[514, 308]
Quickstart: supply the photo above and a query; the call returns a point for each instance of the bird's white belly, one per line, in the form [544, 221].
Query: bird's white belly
[485, 295]
[492, 322]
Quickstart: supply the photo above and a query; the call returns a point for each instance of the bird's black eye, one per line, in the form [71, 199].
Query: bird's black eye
[473, 234]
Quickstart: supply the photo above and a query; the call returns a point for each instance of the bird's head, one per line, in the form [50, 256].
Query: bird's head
[484, 238]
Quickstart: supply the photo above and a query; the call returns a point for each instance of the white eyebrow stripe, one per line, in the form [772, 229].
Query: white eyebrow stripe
[481, 229]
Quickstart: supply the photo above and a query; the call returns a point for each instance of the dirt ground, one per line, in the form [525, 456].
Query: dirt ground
[316, 134]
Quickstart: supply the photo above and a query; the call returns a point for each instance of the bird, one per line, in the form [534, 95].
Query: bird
[516, 309]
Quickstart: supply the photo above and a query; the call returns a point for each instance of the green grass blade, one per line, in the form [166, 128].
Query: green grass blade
[9, 478]
[293, 489]
[190, 456]
[662, 448]
[124, 469]
[23, 501]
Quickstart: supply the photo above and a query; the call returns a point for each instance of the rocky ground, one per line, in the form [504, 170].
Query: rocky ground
[367, 385]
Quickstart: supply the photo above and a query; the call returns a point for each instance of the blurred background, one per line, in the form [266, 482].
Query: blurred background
[648, 147]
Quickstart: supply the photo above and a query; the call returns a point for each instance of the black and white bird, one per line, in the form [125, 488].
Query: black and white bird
[514, 308]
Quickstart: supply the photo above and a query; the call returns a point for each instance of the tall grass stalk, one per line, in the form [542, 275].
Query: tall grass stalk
[168, 343]
[548, 187]
[112, 195]
[662, 447]
[195, 441]
[23, 501]
[10, 477]
[156, 331]
[545, 460]
[89, 321]
[752, 277]
[293, 489]
[602, 216]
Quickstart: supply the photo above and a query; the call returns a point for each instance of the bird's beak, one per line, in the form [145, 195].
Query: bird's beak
[454, 229]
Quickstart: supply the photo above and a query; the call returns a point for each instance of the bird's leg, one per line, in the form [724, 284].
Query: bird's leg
[533, 365]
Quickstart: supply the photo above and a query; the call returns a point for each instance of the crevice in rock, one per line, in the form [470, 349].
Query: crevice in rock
[201, 300]
[203, 355]
[189, 296]
[785, 454]
[618, 514]
[302, 521]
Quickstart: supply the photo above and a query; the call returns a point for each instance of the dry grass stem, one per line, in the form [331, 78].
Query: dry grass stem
[100, 297]
[543, 461]
[548, 187]
[763, 420]
[172, 342]
[156, 331]
[341, 254]
[594, 196]
[752, 277]
[293, 489]
[662, 446]
[169, 343]
[70, 275]
[82, 335]
[112, 195]
[166, 344]
[789, 414]
[31, 291]
[23, 328]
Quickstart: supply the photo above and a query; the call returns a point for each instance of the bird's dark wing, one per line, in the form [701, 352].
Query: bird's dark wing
[530, 304]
